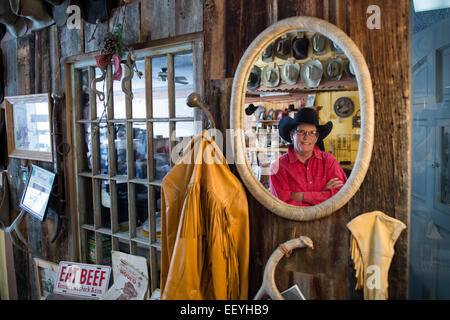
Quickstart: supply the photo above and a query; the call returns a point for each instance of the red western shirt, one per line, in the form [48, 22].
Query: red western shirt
[288, 175]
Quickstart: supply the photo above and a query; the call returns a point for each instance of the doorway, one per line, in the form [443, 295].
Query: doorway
[429, 269]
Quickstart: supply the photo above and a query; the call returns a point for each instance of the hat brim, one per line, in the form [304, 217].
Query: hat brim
[287, 124]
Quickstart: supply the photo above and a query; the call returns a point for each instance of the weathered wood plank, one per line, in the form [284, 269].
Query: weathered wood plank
[146, 20]
[188, 16]
[70, 42]
[241, 33]
[386, 186]
[26, 62]
[11, 67]
[163, 19]
[128, 16]
[214, 18]
[42, 62]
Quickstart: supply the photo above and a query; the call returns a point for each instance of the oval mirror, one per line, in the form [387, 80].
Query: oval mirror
[296, 63]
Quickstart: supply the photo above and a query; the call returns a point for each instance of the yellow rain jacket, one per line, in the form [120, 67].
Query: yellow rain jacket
[204, 227]
[372, 248]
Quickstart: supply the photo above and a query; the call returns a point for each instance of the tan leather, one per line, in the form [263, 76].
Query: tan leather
[372, 248]
[205, 227]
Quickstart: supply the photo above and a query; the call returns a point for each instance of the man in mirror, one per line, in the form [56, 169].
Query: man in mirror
[305, 175]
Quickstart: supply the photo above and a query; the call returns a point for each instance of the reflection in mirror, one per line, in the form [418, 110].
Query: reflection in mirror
[302, 69]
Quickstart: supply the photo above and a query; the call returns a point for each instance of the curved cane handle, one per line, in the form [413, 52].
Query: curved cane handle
[101, 95]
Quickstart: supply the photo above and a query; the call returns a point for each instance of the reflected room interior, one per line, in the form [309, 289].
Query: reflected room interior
[300, 69]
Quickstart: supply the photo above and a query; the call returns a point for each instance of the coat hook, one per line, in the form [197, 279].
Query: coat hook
[193, 100]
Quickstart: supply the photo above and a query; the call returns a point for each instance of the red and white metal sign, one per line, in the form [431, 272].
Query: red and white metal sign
[79, 279]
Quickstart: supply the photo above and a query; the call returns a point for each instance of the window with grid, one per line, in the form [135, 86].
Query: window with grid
[123, 150]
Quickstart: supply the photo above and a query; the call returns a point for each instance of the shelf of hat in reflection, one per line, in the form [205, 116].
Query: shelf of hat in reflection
[302, 61]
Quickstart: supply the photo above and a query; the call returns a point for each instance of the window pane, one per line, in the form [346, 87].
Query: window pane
[160, 88]
[105, 195]
[100, 86]
[86, 206]
[184, 84]
[119, 98]
[184, 132]
[142, 225]
[184, 129]
[105, 246]
[103, 131]
[122, 203]
[85, 109]
[121, 149]
[85, 147]
[140, 149]
[161, 149]
[138, 87]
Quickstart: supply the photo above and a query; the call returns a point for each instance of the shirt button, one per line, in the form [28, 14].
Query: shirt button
[310, 182]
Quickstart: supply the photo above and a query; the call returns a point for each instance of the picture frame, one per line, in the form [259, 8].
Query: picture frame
[29, 127]
[45, 273]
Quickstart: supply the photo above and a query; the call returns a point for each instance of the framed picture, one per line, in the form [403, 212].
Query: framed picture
[37, 192]
[29, 127]
[45, 272]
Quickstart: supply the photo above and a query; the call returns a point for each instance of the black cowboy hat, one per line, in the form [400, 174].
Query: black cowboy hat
[304, 115]
[300, 47]
[254, 78]
[250, 109]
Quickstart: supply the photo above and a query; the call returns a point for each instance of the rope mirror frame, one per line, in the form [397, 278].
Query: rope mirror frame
[365, 146]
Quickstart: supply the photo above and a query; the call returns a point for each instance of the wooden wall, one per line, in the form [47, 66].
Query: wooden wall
[386, 186]
[34, 65]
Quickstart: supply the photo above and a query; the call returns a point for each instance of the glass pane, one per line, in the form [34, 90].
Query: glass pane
[184, 129]
[122, 203]
[85, 110]
[184, 84]
[103, 132]
[445, 161]
[183, 134]
[100, 86]
[138, 86]
[140, 149]
[86, 207]
[119, 98]
[121, 149]
[105, 195]
[105, 245]
[85, 147]
[161, 149]
[32, 126]
[142, 224]
[160, 88]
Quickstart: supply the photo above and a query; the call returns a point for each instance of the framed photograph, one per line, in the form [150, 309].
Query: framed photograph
[311, 99]
[29, 127]
[45, 272]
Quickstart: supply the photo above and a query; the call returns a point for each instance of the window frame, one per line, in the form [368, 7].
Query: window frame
[78, 198]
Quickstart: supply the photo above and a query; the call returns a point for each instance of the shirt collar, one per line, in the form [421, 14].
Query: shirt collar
[317, 153]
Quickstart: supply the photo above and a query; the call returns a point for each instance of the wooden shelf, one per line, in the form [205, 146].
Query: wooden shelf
[345, 84]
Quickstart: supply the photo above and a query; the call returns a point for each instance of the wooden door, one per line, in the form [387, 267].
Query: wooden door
[429, 276]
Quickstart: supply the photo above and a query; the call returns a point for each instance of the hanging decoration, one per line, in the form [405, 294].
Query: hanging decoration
[111, 54]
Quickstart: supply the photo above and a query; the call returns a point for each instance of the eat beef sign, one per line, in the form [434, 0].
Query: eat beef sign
[79, 279]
